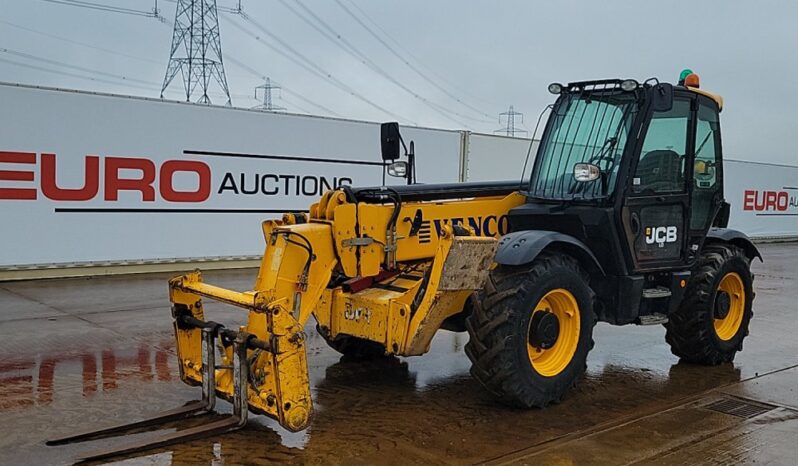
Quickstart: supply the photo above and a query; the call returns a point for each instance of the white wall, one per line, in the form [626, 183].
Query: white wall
[490, 157]
[72, 125]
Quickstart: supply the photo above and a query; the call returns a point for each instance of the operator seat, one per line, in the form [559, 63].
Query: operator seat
[660, 171]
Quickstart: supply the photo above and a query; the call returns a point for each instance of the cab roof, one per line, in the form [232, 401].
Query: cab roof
[609, 84]
[718, 99]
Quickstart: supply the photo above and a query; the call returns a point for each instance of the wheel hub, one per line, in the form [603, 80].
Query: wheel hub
[722, 304]
[544, 329]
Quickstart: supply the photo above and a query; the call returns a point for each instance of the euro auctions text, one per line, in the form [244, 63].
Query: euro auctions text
[32, 176]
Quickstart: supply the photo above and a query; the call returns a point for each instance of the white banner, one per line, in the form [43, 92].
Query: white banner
[763, 198]
[96, 178]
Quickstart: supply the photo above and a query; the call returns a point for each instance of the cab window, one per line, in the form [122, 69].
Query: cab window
[660, 168]
[707, 167]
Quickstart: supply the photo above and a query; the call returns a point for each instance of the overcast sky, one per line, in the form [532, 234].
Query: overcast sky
[487, 55]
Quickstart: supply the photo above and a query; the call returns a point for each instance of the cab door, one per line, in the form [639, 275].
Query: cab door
[706, 185]
[656, 209]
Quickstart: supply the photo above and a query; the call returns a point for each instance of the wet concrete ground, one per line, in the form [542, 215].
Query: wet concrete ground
[82, 353]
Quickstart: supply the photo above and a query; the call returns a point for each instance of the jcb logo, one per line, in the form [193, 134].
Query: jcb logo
[661, 235]
[356, 314]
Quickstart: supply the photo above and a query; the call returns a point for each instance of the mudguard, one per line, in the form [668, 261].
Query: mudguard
[522, 247]
[735, 237]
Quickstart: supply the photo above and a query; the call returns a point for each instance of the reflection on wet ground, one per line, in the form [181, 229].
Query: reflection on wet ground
[80, 353]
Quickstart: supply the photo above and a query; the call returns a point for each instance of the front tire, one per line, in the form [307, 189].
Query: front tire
[712, 321]
[531, 330]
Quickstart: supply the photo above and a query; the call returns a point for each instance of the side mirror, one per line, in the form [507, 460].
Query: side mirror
[390, 140]
[704, 167]
[398, 169]
[584, 172]
[661, 95]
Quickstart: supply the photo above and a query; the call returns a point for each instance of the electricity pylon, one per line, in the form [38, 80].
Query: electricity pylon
[196, 50]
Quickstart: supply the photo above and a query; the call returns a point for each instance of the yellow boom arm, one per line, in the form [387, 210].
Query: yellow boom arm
[383, 272]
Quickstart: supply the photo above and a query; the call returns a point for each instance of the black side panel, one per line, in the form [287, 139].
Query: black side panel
[660, 236]
[738, 238]
[626, 301]
[522, 247]
[434, 192]
[722, 218]
[594, 227]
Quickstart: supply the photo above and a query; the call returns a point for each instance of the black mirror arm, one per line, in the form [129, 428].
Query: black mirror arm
[411, 160]
[605, 183]
[402, 141]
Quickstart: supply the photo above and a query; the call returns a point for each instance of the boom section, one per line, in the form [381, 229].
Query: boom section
[383, 270]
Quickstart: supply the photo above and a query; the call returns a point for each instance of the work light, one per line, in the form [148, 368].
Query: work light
[629, 85]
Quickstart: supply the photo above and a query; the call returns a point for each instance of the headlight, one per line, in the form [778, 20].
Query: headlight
[584, 172]
[555, 88]
[398, 169]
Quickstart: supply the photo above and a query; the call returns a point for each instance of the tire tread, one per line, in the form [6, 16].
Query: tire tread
[491, 328]
[688, 333]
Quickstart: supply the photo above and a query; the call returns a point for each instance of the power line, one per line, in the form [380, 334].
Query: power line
[119, 80]
[293, 104]
[106, 8]
[317, 71]
[400, 57]
[67, 65]
[310, 64]
[338, 39]
[125, 81]
[304, 99]
[82, 44]
[74, 75]
[116, 80]
[399, 45]
[351, 49]
[260, 75]
[153, 85]
[256, 73]
[237, 10]
[304, 62]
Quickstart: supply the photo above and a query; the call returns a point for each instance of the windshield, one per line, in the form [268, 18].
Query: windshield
[590, 126]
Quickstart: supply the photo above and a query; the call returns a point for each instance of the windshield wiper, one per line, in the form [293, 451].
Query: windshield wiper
[608, 145]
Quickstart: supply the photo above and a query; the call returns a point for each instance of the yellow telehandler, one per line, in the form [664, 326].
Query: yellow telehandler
[622, 220]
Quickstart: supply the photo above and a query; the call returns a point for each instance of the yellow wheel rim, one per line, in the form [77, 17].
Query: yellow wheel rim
[550, 362]
[727, 327]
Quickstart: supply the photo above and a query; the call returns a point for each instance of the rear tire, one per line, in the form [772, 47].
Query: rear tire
[502, 354]
[694, 332]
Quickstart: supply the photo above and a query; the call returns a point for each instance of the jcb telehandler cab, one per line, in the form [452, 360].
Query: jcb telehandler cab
[622, 220]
